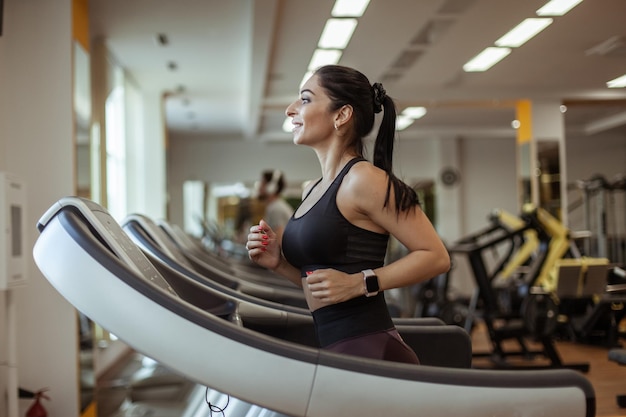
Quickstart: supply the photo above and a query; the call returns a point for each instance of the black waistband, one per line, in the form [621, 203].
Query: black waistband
[351, 318]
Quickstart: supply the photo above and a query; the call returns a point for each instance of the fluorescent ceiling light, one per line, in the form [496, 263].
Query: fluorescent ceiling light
[619, 82]
[349, 8]
[337, 33]
[402, 122]
[486, 59]
[557, 7]
[306, 77]
[324, 57]
[414, 112]
[521, 33]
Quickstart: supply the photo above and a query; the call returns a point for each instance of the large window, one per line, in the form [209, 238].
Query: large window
[116, 153]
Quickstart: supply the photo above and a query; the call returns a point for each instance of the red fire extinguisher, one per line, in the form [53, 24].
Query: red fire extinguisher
[37, 410]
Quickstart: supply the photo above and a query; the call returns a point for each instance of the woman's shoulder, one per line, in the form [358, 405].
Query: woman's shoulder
[364, 178]
[363, 172]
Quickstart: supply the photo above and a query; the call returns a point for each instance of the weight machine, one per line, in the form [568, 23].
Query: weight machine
[602, 205]
[514, 296]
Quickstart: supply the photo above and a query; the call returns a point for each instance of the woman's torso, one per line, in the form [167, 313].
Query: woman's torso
[322, 237]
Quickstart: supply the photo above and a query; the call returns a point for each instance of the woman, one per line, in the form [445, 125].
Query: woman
[334, 246]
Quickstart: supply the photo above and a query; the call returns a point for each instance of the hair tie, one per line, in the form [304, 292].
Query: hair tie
[379, 97]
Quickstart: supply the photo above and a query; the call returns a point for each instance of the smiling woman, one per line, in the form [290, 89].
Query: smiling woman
[334, 246]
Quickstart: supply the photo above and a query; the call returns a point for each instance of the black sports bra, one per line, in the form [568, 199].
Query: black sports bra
[323, 238]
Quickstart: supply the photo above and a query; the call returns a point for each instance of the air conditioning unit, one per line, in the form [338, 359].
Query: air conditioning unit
[12, 231]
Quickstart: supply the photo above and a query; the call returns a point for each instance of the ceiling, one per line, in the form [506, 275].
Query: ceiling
[232, 67]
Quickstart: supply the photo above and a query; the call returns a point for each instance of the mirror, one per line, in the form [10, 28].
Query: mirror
[82, 140]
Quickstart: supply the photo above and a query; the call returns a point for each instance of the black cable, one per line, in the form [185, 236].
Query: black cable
[212, 407]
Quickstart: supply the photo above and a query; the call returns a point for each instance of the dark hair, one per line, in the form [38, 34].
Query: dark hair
[347, 86]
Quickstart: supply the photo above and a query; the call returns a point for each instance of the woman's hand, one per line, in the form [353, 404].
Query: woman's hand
[263, 246]
[332, 286]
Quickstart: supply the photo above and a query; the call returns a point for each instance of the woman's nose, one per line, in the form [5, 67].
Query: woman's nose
[290, 110]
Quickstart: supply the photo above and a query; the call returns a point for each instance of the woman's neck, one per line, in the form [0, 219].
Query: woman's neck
[332, 163]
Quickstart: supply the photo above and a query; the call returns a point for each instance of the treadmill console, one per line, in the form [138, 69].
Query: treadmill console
[109, 232]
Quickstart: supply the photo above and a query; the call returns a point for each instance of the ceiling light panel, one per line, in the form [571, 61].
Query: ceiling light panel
[521, 33]
[414, 112]
[306, 77]
[324, 57]
[402, 122]
[557, 7]
[349, 8]
[619, 82]
[337, 33]
[486, 59]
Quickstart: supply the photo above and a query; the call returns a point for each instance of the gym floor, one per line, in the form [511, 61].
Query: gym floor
[608, 378]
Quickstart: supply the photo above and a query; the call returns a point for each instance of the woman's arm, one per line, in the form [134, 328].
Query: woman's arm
[427, 257]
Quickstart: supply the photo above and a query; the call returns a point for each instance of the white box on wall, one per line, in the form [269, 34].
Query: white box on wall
[12, 229]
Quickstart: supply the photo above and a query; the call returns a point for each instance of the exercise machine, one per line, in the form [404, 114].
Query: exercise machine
[520, 307]
[88, 258]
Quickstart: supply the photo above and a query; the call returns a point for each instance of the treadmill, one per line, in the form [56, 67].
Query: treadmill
[89, 260]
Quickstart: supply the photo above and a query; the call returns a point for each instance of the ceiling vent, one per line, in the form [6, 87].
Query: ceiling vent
[406, 59]
[390, 77]
[613, 47]
[454, 7]
[432, 32]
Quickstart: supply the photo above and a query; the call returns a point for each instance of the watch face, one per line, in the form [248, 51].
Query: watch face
[372, 284]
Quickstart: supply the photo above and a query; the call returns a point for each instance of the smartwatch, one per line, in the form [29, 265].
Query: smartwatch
[371, 283]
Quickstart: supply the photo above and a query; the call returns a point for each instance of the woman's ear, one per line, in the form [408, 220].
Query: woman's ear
[344, 114]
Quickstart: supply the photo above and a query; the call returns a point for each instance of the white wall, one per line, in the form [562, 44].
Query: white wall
[36, 144]
[603, 154]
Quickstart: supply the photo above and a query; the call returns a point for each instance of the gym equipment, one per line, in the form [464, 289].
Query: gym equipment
[522, 309]
[281, 291]
[603, 205]
[200, 256]
[589, 309]
[435, 345]
[87, 257]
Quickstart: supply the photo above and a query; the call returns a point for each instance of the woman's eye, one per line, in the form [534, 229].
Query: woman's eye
[304, 99]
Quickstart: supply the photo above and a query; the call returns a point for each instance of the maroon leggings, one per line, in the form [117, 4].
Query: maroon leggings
[386, 345]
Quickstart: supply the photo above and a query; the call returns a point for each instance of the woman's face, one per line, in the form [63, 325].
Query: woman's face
[312, 121]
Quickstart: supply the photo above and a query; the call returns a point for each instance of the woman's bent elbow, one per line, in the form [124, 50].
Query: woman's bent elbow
[444, 263]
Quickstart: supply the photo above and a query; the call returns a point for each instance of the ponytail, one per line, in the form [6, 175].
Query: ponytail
[405, 196]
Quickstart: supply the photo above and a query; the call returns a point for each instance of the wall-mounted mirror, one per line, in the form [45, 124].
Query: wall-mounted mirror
[82, 134]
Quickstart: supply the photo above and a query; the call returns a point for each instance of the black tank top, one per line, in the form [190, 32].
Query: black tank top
[323, 238]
